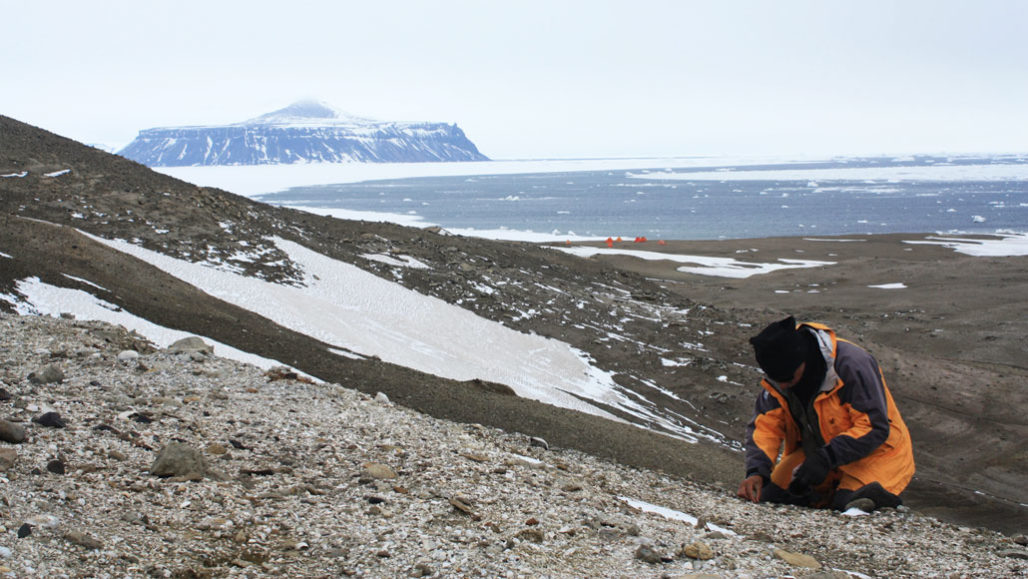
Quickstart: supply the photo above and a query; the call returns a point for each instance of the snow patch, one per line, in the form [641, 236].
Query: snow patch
[1000, 245]
[49, 300]
[355, 310]
[712, 266]
[673, 515]
[397, 260]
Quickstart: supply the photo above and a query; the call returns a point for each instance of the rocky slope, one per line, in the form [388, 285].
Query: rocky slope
[970, 438]
[135, 462]
[304, 132]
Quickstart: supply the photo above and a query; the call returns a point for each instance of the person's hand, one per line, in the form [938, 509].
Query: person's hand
[811, 473]
[751, 487]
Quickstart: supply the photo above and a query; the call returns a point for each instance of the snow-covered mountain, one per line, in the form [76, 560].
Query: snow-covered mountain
[304, 132]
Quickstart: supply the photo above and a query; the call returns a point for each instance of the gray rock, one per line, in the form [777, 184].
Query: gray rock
[12, 432]
[51, 419]
[128, 356]
[83, 540]
[51, 374]
[378, 470]
[648, 554]
[190, 345]
[1014, 553]
[179, 459]
[8, 456]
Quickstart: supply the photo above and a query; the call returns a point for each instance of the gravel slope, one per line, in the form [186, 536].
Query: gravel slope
[316, 480]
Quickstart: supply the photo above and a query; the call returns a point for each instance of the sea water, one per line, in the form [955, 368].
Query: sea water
[851, 196]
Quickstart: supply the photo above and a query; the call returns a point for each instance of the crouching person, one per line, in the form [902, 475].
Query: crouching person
[826, 432]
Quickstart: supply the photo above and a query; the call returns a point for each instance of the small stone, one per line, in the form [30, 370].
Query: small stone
[538, 442]
[24, 531]
[378, 470]
[190, 345]
[797, 559]
[1020, 540]
[5, 553]
[55, 466]
[422, 570]
[51, 374]
[179, 459]
[128, 356]
[1014, 553]
[533, 535]
[83, 540]
[51, 419]
[8, 456]
[697, 550]
[381, 398]
[43, 520]
[647, 554]
[463, 505]
[715, 535]
[12, 432]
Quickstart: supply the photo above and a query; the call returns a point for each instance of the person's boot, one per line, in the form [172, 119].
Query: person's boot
[872, 496]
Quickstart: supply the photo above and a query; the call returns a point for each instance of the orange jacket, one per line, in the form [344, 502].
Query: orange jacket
[857, 419]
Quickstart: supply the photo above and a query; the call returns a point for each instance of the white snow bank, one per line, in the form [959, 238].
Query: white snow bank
[712, 266]
[397, 260]
[48, 300]
[349, 308]
[889, 286]
[1001, 245]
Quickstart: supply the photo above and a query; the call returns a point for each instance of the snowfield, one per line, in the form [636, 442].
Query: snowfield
[359, 314]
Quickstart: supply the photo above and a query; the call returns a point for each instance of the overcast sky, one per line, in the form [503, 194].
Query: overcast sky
[540, 79]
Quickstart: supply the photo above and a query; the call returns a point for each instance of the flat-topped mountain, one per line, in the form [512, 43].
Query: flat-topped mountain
[304, 132]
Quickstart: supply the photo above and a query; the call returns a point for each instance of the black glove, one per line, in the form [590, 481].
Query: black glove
[811, 473]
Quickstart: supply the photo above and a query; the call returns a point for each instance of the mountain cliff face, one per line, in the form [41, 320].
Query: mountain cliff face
[305, 132]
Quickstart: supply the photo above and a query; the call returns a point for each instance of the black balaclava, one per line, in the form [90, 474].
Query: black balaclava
[780, 348]
[814, 373]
